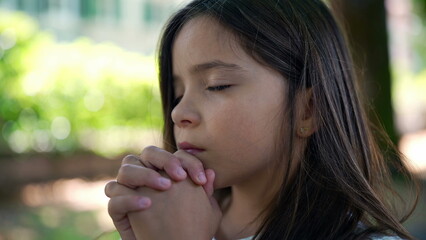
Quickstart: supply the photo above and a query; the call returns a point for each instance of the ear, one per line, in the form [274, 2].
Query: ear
[305, 122]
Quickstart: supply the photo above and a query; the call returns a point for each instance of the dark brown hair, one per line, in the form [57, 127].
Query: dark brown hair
[342, 180]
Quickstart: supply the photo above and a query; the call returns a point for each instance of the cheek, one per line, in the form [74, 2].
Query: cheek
[245, 126]
[243, 144]
[242, 133]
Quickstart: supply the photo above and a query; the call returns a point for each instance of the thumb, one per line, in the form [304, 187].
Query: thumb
[208, 187]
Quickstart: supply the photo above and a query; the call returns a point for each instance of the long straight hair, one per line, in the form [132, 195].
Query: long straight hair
[342, 181]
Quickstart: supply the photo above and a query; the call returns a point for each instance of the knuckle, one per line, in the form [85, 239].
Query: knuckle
[121, 179]
[108, 188]
[123, 173]
[147, 151]
[129, 159]
[125, 168]
[128, 182]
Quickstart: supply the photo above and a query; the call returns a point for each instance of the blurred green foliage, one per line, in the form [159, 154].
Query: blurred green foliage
[52, 93]
[112, 235]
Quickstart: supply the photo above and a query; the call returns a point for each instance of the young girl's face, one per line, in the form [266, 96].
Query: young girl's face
[229, 107]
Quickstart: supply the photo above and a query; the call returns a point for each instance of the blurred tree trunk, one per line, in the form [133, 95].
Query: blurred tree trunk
[365, 25]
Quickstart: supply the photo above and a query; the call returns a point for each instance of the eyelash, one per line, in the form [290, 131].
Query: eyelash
[212, 89]
[218, 88]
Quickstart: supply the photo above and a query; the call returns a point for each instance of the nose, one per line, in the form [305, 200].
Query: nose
[185, 114]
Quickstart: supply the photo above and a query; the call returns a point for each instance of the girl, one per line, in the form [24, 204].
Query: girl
[264, 136]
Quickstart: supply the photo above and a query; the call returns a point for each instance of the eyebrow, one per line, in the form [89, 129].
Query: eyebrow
[215, 64]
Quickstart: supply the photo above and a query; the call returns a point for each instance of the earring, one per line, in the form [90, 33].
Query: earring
[303, 130]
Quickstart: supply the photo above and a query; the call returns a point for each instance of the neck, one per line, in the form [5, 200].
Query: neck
[242, 217]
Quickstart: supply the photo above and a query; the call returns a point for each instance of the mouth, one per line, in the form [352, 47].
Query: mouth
[189, 148]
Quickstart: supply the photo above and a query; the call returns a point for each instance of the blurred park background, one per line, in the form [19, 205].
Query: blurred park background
[78, 91]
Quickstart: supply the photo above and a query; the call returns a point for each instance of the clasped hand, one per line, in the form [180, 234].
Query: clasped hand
[153, 197]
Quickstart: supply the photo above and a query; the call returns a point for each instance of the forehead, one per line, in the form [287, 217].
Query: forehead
[203, 39]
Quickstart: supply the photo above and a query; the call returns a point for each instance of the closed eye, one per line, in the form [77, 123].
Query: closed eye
[212, 89]
[218, 88]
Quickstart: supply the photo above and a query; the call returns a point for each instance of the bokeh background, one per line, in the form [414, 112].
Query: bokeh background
[78, 91]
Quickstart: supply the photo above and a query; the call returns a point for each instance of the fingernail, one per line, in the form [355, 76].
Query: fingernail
[202, 177]
[181, 172]
[144, 202]
[164, 182]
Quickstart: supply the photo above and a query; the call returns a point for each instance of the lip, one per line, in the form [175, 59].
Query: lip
[189, 148]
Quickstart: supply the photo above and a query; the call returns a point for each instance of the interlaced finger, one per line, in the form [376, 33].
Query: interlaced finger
[120, 206]
[113, 189]
[193, 166]
[159, 159]
[134, 176]
[132, 159]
